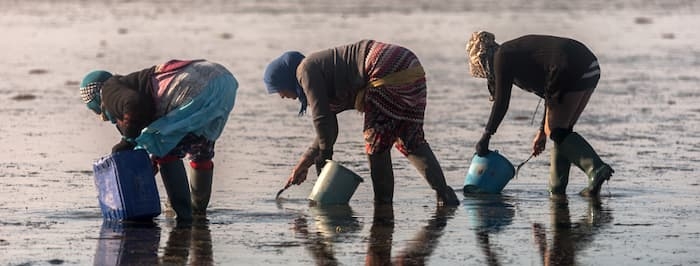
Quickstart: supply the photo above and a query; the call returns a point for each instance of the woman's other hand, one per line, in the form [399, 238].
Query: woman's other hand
[539, 143]
[298, 175]
[482, 147]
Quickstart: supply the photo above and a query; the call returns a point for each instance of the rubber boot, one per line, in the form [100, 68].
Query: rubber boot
[580, 153]
[559, 167]
[200, 187]
[175, 182]
[382, 177]
[423, 159]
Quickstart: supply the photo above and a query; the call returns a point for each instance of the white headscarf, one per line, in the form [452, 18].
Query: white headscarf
[480, 50]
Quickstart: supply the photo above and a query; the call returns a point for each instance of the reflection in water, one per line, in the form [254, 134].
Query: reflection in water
[488, 214]
[189, 243]
[127, 243]
[380, 236]
[421, 246]
[336, 223]
[333, 223]
[137, 243]
[568, 237]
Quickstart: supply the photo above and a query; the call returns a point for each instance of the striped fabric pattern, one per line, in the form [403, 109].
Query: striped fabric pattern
[404, 101]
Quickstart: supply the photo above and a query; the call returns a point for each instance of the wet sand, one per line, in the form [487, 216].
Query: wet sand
[643, 119]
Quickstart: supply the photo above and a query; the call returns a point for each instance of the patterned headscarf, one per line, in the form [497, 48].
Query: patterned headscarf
[281, 74]
[480, 50]
[90, 89]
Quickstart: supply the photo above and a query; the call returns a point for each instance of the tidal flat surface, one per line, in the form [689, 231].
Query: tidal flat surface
[644, 119]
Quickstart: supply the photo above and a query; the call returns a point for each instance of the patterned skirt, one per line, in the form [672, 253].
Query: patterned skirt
[404, 101]
[393, 112]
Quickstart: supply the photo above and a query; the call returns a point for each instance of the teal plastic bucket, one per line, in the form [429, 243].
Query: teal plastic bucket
[335, 185]
[488, 174]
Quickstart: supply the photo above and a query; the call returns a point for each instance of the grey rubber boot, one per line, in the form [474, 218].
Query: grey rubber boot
[200, 187]
[423, 159]
[559, 167]
[175, 182]
[580, 153]
[382, 177]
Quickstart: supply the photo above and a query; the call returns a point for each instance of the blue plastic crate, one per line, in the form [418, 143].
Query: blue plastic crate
[126, 186]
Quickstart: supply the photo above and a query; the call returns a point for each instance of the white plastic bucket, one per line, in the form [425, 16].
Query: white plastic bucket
[335, 185]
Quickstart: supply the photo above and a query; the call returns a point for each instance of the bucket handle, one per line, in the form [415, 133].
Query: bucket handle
[517, 169]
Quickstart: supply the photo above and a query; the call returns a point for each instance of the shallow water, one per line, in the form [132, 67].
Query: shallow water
[643, 119]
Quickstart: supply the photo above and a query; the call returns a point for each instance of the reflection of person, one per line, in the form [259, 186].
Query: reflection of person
[563, 72]
[485, 245]
[489, 214]
[387, 83]
[568, 238]
[422, 245]
[380, 235]
[172, 110]
[189, 244]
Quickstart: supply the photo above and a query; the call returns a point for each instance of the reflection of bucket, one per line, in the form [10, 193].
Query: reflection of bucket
[333, 221]
[335, 184]
[490, 213]
[126, 186]
[488, 174]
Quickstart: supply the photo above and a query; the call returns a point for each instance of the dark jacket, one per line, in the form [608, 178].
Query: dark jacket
[331, 79]
[547, 66]
[129, 100]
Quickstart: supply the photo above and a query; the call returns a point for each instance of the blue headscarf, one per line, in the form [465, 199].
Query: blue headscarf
[281, 74]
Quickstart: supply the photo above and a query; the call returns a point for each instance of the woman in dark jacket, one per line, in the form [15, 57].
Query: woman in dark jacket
[384, 81]
[171, 110]
[563, 72]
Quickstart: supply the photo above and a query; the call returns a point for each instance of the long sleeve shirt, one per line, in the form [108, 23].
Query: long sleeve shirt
[129, 100]
[544, 65]
[331, 79]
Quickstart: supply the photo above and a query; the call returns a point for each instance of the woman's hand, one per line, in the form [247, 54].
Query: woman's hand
[539, 143]
[482, 147]
[298, 175]
[123, 145]
[320, 160]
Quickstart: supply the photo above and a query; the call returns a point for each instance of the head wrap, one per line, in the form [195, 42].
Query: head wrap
[90, 88]
[480, 50]
[281, 75]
